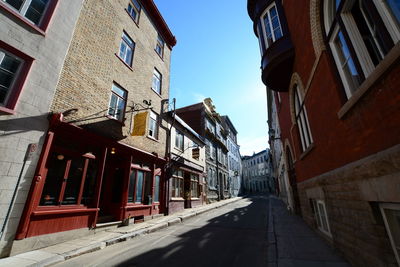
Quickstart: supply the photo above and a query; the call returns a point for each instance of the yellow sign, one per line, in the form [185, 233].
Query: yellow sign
[139, 124]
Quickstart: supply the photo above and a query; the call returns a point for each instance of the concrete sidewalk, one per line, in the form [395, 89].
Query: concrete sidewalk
[292, 243]
[63, 251]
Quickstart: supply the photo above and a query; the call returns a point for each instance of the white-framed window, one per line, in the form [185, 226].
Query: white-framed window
[177, 184]
[126, 49]
[302, 119]
[10, 66]
[153, 125]
[321, 216]
[271, 25]
[160, 46]
[134, 10]
[194, 185]
[156, 81]
[116, 108]
[391, 218]
[179, 140]
[360, 34]
[33, 10]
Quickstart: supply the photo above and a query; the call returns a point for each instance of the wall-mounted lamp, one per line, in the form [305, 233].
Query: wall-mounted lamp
[112, 150]
[60, 157]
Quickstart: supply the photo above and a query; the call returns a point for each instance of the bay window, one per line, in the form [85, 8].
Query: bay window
[271, 26]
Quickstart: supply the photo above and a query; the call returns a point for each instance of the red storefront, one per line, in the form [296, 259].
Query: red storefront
[83, 179]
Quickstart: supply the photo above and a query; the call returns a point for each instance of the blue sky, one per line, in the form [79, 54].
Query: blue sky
[217, 56]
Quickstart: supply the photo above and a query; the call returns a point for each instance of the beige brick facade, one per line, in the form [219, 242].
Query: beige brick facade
[92, 65]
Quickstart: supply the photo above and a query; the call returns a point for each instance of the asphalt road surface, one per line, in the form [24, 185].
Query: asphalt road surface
[233, 235]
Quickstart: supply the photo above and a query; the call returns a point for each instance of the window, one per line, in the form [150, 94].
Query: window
[160, 46]
[117, 104]
[134, 10]
[179, 140]
[157, 180]
[140, 187]
[177, 184]
[360, 34]
[391, 217]
[153, 125]
[33, 10]
[156, 82]
[302, 119]
[210, 126]
[319, 210]
[9, 69]
[194, 185]
[68, 179]
[126, 49]
[271, 25]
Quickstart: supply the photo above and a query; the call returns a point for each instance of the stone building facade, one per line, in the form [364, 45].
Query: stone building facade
[204, 119]
[104, 155]
[34, 41]
[234, 159]
[257, 173]
[336, 69]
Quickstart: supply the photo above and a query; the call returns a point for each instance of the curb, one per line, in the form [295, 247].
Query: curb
[40, 258]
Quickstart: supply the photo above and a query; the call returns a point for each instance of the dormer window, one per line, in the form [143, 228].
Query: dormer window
[271, 25]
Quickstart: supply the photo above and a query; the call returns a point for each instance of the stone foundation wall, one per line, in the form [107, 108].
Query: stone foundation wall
[352, 195]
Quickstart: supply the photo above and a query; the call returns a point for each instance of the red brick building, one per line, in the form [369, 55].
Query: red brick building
[334, 73]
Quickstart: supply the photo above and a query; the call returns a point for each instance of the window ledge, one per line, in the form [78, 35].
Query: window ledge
[116, 120]
[159, 55]
[137, 23]
[177, 199]
[156, 92]
[22, 19]
[383, 67]
[307, 151]
[7, 111]
[129, 67]
[152, 138]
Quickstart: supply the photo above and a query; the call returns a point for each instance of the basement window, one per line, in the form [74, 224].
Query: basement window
[391, 217]
[320, 214]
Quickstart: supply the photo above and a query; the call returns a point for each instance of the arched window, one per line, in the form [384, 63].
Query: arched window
[302, 119]
[360, 34]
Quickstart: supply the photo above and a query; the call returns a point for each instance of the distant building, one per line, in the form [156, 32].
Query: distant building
[186, 176]
[204, 119]
[234, 159]
[257, 173]
[104, 154]
[34, 40]
[334, 75]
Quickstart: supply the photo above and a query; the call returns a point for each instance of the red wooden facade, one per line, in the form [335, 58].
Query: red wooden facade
[83, 179]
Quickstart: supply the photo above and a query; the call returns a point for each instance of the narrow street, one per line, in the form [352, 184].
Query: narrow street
[233, 235]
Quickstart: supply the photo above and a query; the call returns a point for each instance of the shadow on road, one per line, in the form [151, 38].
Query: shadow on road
[236, 238]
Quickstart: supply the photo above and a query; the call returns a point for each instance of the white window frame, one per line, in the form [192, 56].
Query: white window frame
[302, 119]
[179, 143]
[319, 216]
[3, 53]
[153, 125]
[267, 12]
[129, 44]
[390, 206]
[119, 97]
[156, 83]
[391, 24]
[24, 8]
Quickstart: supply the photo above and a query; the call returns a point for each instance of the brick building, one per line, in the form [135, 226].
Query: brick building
[204, 119]
[103, 157]
[335, 70]
[34, 40]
